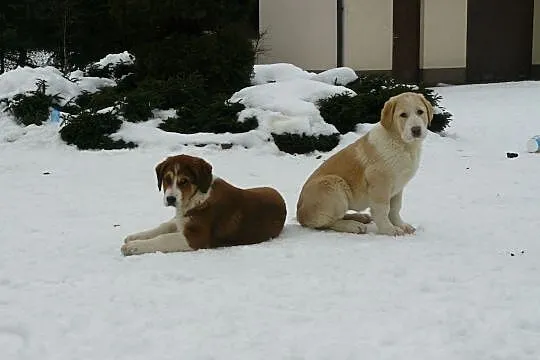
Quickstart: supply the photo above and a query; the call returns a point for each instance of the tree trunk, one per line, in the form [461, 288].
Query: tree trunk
[2, 54]
[2, 61]
[23, 58]
[65, 65]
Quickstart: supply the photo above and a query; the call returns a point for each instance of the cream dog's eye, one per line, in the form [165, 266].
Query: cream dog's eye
[182, 182]
[419, 111]
[403, 115]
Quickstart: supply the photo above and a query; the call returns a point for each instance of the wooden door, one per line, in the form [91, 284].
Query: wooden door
[499, 40]
[406, 41]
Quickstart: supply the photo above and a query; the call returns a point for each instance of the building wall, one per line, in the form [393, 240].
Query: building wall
[368, 34]
[443, 34]
[299, 32]
[536, 34]
[303, 32]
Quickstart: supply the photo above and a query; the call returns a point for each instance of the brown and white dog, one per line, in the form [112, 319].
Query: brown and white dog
[210, 212]
[371, 172]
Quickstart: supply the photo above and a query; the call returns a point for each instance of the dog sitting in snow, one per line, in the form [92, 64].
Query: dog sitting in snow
[371, 172]
[210, 212]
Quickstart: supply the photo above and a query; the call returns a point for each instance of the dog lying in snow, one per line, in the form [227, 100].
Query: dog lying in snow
[210, 212]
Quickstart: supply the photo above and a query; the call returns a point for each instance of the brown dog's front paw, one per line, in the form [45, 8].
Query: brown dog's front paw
[128, 249]
[131, 238]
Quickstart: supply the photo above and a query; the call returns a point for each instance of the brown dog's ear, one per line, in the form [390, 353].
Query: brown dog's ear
[387, 113]
[160, 171]
[203, 174]
[428, 106]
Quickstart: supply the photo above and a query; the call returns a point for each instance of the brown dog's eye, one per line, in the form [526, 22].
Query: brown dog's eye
[419, 111]
[182, 182]
[167, 180]
[403, 115]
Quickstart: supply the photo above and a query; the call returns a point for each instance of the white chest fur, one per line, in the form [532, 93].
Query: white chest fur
[400, 160]
[179, 220]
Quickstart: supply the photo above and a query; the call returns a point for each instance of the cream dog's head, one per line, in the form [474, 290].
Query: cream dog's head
[407, 115]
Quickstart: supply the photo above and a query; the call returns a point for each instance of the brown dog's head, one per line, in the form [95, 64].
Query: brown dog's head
[181, 177]
[408, 114]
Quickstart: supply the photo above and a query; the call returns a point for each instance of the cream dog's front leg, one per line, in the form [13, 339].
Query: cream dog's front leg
[165, 228]
[395, 217]
[380, 198]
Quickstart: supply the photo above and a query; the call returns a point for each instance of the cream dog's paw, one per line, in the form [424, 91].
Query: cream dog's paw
[407, 228]
[392, 231]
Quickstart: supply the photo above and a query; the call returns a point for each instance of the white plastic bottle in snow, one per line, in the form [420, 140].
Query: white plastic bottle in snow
[533, 145]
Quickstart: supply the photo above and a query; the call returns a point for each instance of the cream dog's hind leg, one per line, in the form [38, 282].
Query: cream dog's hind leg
[325, 205]
[363, 218]
[352, 223]
[348, 226]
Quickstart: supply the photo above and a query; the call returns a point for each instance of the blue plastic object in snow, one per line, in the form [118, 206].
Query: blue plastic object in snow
[55, 115]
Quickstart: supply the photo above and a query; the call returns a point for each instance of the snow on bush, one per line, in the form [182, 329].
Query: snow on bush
[284, 98]
[112, 66]
[288, 106]
[266, 73]
[278, 72]
[23, 79]
[115, 59]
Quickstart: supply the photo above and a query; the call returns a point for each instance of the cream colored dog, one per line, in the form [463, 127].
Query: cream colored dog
[371, 172]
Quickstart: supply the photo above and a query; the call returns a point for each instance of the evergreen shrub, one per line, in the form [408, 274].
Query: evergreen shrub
[174, 92]
[106, 97]
[224, 56]
[217, 116]
[302, 144]
[34, 106]
[91, 131]
[110, 71]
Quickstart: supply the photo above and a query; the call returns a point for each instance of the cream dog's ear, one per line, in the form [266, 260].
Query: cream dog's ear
[387, 113]
[429, 108]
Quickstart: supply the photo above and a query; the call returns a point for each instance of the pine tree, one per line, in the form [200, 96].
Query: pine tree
[24, 26]
[84, 30]
[148, 20]
[179, 37]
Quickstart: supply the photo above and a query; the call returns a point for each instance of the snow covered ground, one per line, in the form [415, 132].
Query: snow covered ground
[466, 286]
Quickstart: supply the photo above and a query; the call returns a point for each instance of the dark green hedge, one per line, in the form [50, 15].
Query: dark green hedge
[102, 99]
[200, 110]
[111, 71]
[32, 107]
[216, 117]
[224, 58]
[302, 144]
[91, 131]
